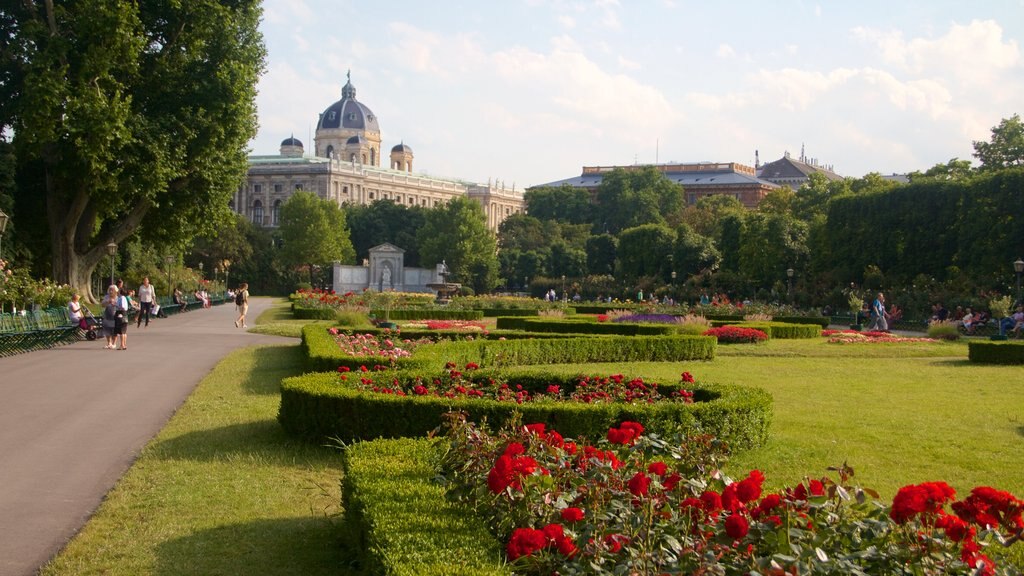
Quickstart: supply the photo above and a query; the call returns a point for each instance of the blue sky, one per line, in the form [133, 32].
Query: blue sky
[528, 91]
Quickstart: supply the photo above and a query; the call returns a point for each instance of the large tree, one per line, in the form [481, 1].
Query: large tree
[456, 233]
[1006, 147]
[130, 118]
[629, 198]
[563, 203]
[385, 221]
[313, 233]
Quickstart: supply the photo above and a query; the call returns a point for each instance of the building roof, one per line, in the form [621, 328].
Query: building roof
[348, 112]
[402, 148]
[790, 168]
[688, 175]
[291, 141]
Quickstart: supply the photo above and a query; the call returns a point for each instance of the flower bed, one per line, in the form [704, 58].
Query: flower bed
[737, 335]
[328, 299]
[360, 405]
[855, 337]
[636, 504]
[645, 318]
[455, 325]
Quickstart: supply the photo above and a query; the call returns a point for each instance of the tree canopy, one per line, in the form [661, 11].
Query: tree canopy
[313, 232]
[129, 118]
[1006, 147]
[456, 233]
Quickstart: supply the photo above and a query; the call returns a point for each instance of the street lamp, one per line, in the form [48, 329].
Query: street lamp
[563, 288]
[200, 271]
[789, 276]
[170, 260]
[4, 218]
[673, 279]
[227, 265]
[1018, 266]
[112, 250]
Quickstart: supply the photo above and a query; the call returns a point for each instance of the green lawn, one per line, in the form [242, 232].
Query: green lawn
[222, 490]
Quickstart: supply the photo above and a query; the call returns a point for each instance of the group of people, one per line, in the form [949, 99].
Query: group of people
[119, 303]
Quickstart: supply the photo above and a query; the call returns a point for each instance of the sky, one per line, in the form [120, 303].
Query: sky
[527, 92]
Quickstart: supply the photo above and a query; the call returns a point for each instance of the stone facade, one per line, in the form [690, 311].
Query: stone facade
[346, 168]
[383, 271]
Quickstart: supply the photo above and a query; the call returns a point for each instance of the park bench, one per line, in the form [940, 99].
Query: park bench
[35, 330]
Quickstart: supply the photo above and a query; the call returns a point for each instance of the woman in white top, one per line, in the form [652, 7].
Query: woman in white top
[75, 310]
[147, 296]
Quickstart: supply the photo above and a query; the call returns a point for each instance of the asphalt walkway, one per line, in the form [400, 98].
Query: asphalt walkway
[74, 418]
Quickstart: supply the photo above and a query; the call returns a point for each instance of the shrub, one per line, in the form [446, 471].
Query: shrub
[306, 313]
[427, 314]
[583, 326]
[943, 330]
[551, 313]
[989, 352]
[399, 522]
[757, 317]
[737, 335]
[693, 324]
[320, 406]
[352, 319]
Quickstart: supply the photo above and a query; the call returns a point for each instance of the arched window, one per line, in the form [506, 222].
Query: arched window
[276, 213]
[373, 156]
[257, 213]
[330, 151]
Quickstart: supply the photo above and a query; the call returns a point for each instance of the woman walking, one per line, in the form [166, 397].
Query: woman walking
[242, 302]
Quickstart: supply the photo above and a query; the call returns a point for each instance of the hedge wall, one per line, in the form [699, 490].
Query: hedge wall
[995, 352]
[773, 329]
[306, 313]
[493, 312]
[321, 406]
[324, 355]
[588, 326]
[400, 523]
[734, 319]
[427, 314]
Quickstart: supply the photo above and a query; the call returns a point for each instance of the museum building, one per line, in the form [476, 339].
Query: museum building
[345, 167]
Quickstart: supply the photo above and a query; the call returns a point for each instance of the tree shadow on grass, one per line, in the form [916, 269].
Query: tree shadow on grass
[270, 365]
[955, 363]
[263, 441]
[300, 546]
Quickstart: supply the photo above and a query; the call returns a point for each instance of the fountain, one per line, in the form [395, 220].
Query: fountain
[444, 289]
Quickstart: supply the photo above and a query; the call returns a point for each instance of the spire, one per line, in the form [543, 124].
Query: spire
[348, 91]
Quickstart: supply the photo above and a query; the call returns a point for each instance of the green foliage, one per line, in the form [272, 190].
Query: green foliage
[771, 243]
[583, 326]
[1006, 147]
[646, 251]
[564, 204]
[693, 253]
[385, 221]
[456, 233]
[400, 523]
[131, 119]
[313, 232]
[602, 250]
[306, 313]
[427, 314]
[629, 198]
[947, 330]
[955, 169]
[318, 406]
[995, 352]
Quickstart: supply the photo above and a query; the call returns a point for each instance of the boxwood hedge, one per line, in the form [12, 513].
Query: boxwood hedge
[399, 522]
[583, 326]
[324, 355]
[307, 313]
[995, 352]
[320, 406]
[427, 314]
[774, 329]
[734, 318]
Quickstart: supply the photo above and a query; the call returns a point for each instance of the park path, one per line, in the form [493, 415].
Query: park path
[74, 418]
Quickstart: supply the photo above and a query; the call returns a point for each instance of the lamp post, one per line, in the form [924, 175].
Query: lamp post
[4, 218]
[112, 250]
[200, 270]
[227, 265]
[789, 277]
[1018, 266]
[169, 260]
[673, 279]
[563, 288]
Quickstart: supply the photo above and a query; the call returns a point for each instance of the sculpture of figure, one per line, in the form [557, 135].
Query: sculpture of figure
[385, 277]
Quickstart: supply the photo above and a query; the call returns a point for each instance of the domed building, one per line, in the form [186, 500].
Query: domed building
[345, 167]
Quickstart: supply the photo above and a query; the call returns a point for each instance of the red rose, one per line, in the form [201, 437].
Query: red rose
[711, 501]
[537, 429]
[639, 484]
[572, 514]
[736, 526]
[659, 468]
[526, 541]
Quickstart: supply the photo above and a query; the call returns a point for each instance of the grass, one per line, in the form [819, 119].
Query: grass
[222, 489]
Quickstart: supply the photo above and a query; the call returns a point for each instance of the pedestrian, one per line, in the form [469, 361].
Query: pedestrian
[242, 304]
[878, 322]
[147, 297]
[121, 323]
[110, 317]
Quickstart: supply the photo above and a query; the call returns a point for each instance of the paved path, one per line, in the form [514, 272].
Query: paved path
[73, 419]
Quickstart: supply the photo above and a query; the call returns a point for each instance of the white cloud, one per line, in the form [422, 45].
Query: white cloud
[567, 21]
[628, 64]
[725, 51]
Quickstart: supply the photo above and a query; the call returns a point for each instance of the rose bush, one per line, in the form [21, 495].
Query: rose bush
[736, 335]
[638, 504]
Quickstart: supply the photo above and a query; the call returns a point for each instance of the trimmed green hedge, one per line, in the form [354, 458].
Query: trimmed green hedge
[995, 352]
[493, 312]
[734, 319]
[780, 330]
[399, 522]
[306, 313]
[324, 355]
[321, 406]
[427, 314]
[584, 326]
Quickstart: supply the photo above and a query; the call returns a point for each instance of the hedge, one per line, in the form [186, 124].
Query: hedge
[995, 352]
[588, 326]
[324, 355]
[427, 314]
[780, 330]
[493, 312]
[307, 313]
[399, 522]
[322, 406]
[735, 319]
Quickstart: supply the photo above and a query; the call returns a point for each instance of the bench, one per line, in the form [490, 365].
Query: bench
[36, 330]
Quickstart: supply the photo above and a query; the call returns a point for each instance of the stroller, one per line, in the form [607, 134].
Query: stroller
[90, 325]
